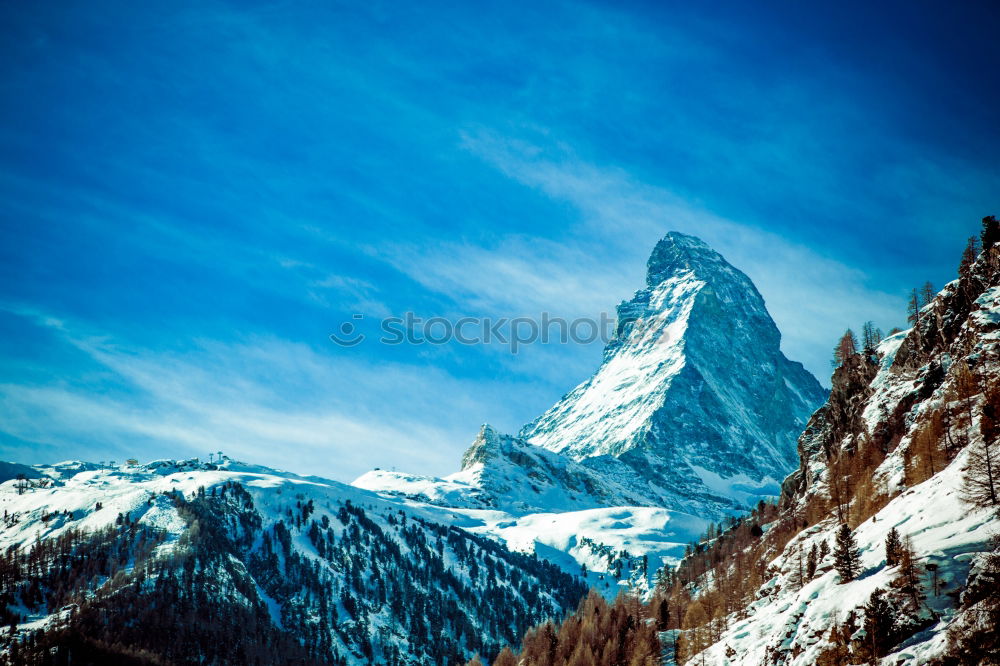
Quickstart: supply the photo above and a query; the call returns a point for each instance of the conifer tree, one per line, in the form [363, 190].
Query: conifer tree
[663, 614]
[893, 545]
[926, 293]
[913, 308]
[801, 577]
[910, 573]
[664, 581]
[913, 318]
[981, 484]
[870, 338]
[969, 256]
[811, 562]
[847, 557]
[969, 287]
[879, 623]
[926, 446]
[837, 654]
[991, 232]
[989, 419]
[847, 347]
[697, 635]
[966, 386]
[505, 658]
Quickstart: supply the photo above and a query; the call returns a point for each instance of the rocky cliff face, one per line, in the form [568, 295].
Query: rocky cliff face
[694, 405]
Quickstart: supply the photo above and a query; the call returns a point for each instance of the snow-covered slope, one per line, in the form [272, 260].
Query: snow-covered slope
[522, 477]
[791, 625]
[506, 473]
[537, 501]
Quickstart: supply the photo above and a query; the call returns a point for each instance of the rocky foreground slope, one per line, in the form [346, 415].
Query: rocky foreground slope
[906, 455]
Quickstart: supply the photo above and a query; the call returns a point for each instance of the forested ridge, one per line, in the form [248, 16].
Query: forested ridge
[398, 590]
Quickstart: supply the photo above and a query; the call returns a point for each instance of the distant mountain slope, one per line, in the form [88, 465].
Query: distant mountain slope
[178, 562]
[538, 501]
[506, 473]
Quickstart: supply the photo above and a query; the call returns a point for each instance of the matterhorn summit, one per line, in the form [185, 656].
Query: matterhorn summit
[693, 395]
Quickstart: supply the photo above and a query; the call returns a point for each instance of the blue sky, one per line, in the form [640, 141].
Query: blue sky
[193, 196]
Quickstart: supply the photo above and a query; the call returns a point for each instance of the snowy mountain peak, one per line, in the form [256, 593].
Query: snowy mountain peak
[693, 394]
[485, 447]
[677, 252]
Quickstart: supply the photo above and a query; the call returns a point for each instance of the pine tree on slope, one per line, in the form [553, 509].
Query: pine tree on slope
[981, 475]
[879, 622]
[892, 547]
[991, 232]
[847, 557]
[969, 287]
[910, 573]
[926, 294]
[847, 347]
[505, 658]
[811, 561]
[870, 338]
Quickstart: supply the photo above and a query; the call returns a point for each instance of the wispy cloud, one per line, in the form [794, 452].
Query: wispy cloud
[336, 290]
[265, 400]
[518, 275]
